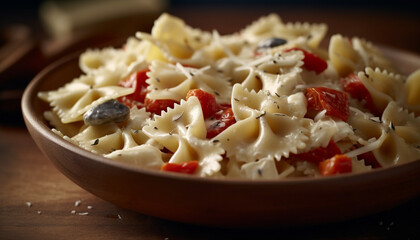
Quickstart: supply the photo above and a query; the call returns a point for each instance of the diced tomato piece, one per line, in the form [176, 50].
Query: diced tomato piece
[335, 165]
[137, 81]
[156, 106]
[311, 61]
[207, 101]
[335, 102]
[319, 154]
[354, 86]
[370, 159]
[188, 167]
[222, 121]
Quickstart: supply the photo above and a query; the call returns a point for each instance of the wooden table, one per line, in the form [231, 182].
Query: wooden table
[38, 202]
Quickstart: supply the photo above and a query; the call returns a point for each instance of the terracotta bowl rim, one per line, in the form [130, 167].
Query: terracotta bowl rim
[35, 120]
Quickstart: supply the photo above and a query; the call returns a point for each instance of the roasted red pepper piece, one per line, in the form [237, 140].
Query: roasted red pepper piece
[319, 154]
[311, 61]
[222, 121]
[188, 167]
[335, 165]
[156, 106]
[137, 81]
[335, 102]
[354, 86]
[370, 159]
[207, 101]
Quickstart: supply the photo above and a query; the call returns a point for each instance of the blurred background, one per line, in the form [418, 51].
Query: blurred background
[35, 33]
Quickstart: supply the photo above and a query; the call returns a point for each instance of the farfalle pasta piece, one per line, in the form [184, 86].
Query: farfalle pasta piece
[92, 60]
[182, 54]
[365, 125]
[136, 46]
[412, 89]
[312, 34]
[177, 42]
[371, 55]
[394, 150]
[342, 55]
[170, 28]
[107, 138]
[412, 86]
[209, 156]
[111, 59]
[231, 69]
[272, 26]
[278, 74]
[389, 145]
[383, 86]
[69, 129]
[355, 54]
[71, 101]
[246, 102]
[100, 140]
[404, 124]
[262, 28]
[288, 133]
[168, 81]
[182, 131]
[232, 46]
[171, 32]
[258, 133]
[359, 166]
[144, 156]
[137, 149]
[184, 119]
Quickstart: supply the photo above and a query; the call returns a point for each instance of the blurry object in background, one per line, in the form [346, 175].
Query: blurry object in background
[63, 18]
[73, 26]
[16, 43]
[19, 56]
[69, 27]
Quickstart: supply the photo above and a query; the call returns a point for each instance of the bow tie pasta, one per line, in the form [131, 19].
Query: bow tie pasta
[266, 102]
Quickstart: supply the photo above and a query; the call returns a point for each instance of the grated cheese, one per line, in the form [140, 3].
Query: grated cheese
[367, 148]
[77, 203]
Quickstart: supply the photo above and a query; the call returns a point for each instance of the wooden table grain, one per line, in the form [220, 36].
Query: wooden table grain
[38, 202]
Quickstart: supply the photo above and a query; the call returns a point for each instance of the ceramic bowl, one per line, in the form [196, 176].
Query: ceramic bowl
[216, 202]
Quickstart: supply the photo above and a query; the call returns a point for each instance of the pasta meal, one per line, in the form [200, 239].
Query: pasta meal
[266, 102]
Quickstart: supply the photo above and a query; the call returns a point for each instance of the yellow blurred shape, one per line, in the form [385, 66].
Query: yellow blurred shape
[413, 88]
